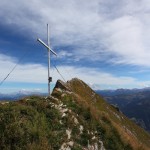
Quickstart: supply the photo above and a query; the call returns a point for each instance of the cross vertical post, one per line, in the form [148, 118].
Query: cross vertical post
[48, 43]
[49, 50]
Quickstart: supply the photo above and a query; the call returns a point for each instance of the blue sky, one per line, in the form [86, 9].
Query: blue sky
[104, 43]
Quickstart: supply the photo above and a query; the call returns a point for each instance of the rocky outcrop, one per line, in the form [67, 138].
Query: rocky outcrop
[62, 85]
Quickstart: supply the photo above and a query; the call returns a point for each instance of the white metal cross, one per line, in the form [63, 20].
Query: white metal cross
[49, 50]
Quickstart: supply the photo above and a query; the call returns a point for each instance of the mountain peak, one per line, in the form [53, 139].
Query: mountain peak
[71, 85]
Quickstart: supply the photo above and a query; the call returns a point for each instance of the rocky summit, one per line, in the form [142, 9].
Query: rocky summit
[74, 117]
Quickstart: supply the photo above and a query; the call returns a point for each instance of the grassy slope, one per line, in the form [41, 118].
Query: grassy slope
[34, 122]
[129, 131]
[28, 124]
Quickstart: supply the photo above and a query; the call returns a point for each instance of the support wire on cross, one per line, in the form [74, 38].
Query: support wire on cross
[59, 72]
[13, 69]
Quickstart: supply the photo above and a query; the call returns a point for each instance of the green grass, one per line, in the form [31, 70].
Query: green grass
[26, 123]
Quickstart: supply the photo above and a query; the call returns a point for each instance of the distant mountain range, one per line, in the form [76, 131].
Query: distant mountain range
[121, 91]
[134, 103]
[18, 95]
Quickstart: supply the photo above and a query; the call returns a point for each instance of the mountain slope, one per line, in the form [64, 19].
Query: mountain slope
[134, 105]
[75, 117]
[139, 111]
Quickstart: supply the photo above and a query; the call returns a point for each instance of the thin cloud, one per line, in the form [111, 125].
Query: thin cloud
[119, 28]
[36, 73]
[64, 54]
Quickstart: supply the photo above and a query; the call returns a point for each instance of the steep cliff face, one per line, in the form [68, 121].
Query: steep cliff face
[73, 118]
